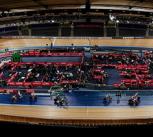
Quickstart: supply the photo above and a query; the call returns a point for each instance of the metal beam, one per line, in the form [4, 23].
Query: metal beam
[40, 4]
[88, 5]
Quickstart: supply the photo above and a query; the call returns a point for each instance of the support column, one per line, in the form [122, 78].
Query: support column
[72, 30]
[29, 31]
[105, 30]
[19, 31]
[60, 31]
[147, 31]
[117, 30]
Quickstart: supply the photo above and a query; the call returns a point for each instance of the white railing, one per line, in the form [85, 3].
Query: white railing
[68, 37]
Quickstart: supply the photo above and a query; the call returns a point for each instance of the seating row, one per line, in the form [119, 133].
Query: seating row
[37, 84]
[134, 83]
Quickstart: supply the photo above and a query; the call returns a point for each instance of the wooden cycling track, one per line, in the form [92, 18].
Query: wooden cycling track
[28, 42]
[76, 115]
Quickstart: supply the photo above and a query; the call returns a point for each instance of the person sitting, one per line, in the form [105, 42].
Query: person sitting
[107, 99]
[33, 97]
[14, 99]
[122, 85]
[19, 95]
[57, 100]
[134, 100]
[3, 83]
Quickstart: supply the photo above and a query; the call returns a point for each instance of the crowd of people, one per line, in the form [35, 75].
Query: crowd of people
[135, 69]
[88, 72]
[42, 72]
[118, 58]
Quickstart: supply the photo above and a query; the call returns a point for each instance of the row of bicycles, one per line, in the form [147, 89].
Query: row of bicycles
[133, 100]
[57, 95]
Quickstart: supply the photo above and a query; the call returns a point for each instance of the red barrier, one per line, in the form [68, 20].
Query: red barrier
[106, 65]
[3, 90]
[38, 83]
[47, 84]
[1, 74]
[69, 82]
[30, 91]
[35, 84]
[99, 77]
[7, 54]
[11, 83]
[19, 83]
[133, 83]
[27, 84]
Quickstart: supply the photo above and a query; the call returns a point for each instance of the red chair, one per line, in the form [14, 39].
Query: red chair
[64, 82]
[98, 77]
[30, 91]
[2, 90]
[145, 72]
[18, 83]
[36, 83]
[11, 83]
[141, 83]
[116, 85]
[51, 83]
[134, 83]
[127, 82]
[37, 53]
[27, 84]
[47, 84]
[25, 54]
[1, 74]
[73, 81]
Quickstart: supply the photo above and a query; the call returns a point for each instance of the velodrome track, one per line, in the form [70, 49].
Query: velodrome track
[76, 115]
[31, 42]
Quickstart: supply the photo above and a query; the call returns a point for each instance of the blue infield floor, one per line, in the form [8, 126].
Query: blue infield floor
[83, 98]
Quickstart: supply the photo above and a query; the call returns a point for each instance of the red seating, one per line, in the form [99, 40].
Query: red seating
[116, 85]
[27, 84]
[106, 65]
[18, 83]
[47, 84]
[36, 84]
[99, 77]
[11, 83]
[1, 74]
[2, 90]
[30, 91]
[46, 63]
[140, 72]
[69, 82]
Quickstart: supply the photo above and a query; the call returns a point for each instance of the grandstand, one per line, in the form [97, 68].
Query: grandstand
[76, 63]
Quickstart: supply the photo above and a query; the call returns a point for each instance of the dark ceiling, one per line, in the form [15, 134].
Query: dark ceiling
[35, 4]
[21, 10]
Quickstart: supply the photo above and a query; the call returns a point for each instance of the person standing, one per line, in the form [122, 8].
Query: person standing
[51, 45]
